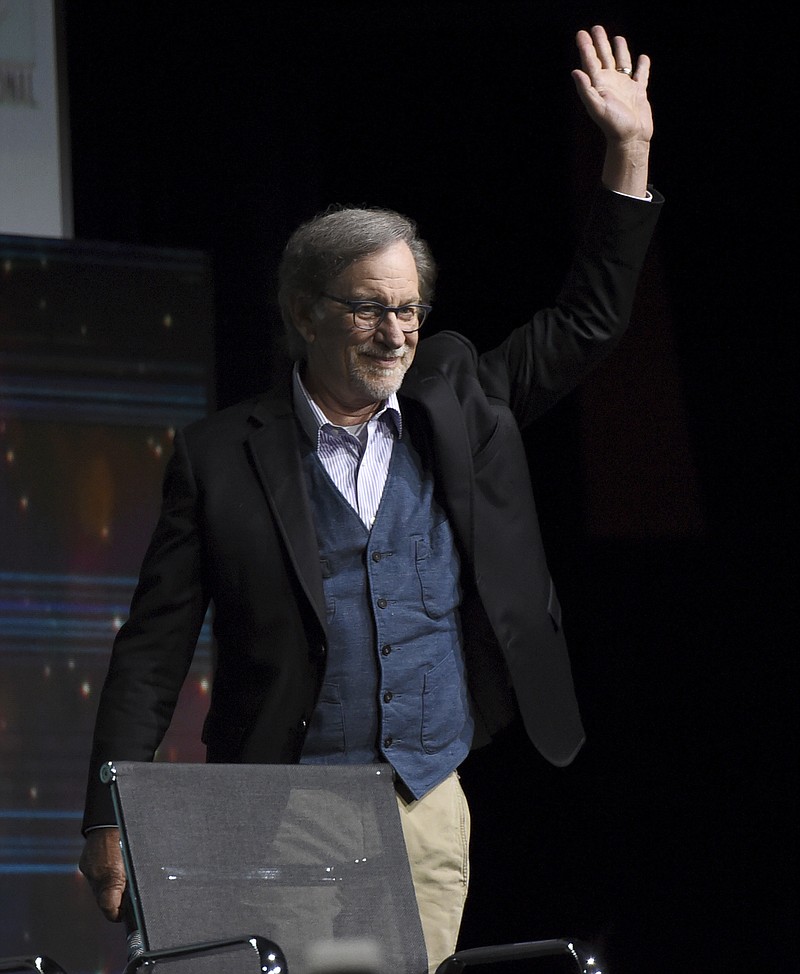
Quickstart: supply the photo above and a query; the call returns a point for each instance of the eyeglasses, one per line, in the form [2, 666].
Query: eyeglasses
[368, 315]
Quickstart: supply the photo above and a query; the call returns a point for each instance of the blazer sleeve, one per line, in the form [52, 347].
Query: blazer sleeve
[546, 358]
[154, 648]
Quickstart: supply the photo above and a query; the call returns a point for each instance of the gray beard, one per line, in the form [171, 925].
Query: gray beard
[374, 385]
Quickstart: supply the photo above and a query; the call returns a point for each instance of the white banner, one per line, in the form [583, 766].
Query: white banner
[35, 188]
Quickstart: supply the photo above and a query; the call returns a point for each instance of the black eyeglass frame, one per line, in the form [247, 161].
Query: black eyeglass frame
[423, 310]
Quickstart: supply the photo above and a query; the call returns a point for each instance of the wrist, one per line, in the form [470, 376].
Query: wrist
[625, 169]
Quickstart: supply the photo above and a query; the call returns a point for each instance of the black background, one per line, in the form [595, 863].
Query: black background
[670, 843]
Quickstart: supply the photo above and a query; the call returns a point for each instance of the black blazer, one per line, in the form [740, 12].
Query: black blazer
[236, 528]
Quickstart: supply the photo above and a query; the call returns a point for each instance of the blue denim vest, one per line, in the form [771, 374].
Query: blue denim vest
[395, 684]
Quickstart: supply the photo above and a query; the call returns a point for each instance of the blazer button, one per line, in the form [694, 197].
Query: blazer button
[382, 603]
[376, 556]
[385, 650]
[388, 741]
[387, 696]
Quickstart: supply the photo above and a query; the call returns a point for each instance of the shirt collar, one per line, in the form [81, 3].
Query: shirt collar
[313, 420]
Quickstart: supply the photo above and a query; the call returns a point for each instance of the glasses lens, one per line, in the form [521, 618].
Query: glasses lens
[367, 315]
[408, 315]
[420, 314]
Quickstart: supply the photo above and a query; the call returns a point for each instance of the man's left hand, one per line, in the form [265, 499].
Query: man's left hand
[615, 99]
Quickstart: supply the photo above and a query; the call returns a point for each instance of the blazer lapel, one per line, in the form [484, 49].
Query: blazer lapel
[275, 452]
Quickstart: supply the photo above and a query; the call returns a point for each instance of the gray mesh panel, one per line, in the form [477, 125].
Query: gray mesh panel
[293, 853]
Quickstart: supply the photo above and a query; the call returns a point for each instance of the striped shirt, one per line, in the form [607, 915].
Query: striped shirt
[355, 458]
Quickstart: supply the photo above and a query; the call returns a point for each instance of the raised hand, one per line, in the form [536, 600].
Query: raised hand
[614, 92]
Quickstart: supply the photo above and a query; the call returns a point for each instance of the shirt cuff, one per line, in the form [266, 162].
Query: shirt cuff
[645, 199]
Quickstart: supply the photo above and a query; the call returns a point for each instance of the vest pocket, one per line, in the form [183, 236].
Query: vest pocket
[330, 602]
[438, 570]
[442, 705]
[326, 732]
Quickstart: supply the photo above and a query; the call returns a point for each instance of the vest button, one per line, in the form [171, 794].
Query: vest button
[386, 649]
[382, 603]
[388, 741]
[387, 696]
[376, 556]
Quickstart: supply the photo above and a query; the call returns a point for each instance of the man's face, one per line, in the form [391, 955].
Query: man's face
[350, 371]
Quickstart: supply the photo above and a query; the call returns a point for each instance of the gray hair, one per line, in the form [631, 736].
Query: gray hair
[320, 249]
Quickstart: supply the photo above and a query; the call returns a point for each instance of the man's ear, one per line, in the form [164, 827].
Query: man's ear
[303, 317]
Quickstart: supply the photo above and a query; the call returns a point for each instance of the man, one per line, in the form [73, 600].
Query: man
[366, 531]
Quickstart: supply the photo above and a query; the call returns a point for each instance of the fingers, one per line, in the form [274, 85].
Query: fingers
[621, 57]
[585, 88]
[101, 864]
[642, 72]
[590, 62]
[598, 53]
[109, 899]
[605, 53]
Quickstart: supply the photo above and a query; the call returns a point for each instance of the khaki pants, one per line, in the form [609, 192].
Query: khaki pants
[436, 829]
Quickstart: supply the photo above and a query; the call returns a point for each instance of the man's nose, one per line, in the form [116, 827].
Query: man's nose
[389, 332]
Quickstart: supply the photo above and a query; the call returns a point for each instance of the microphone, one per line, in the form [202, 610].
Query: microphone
[135, 945]
[134, 940]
